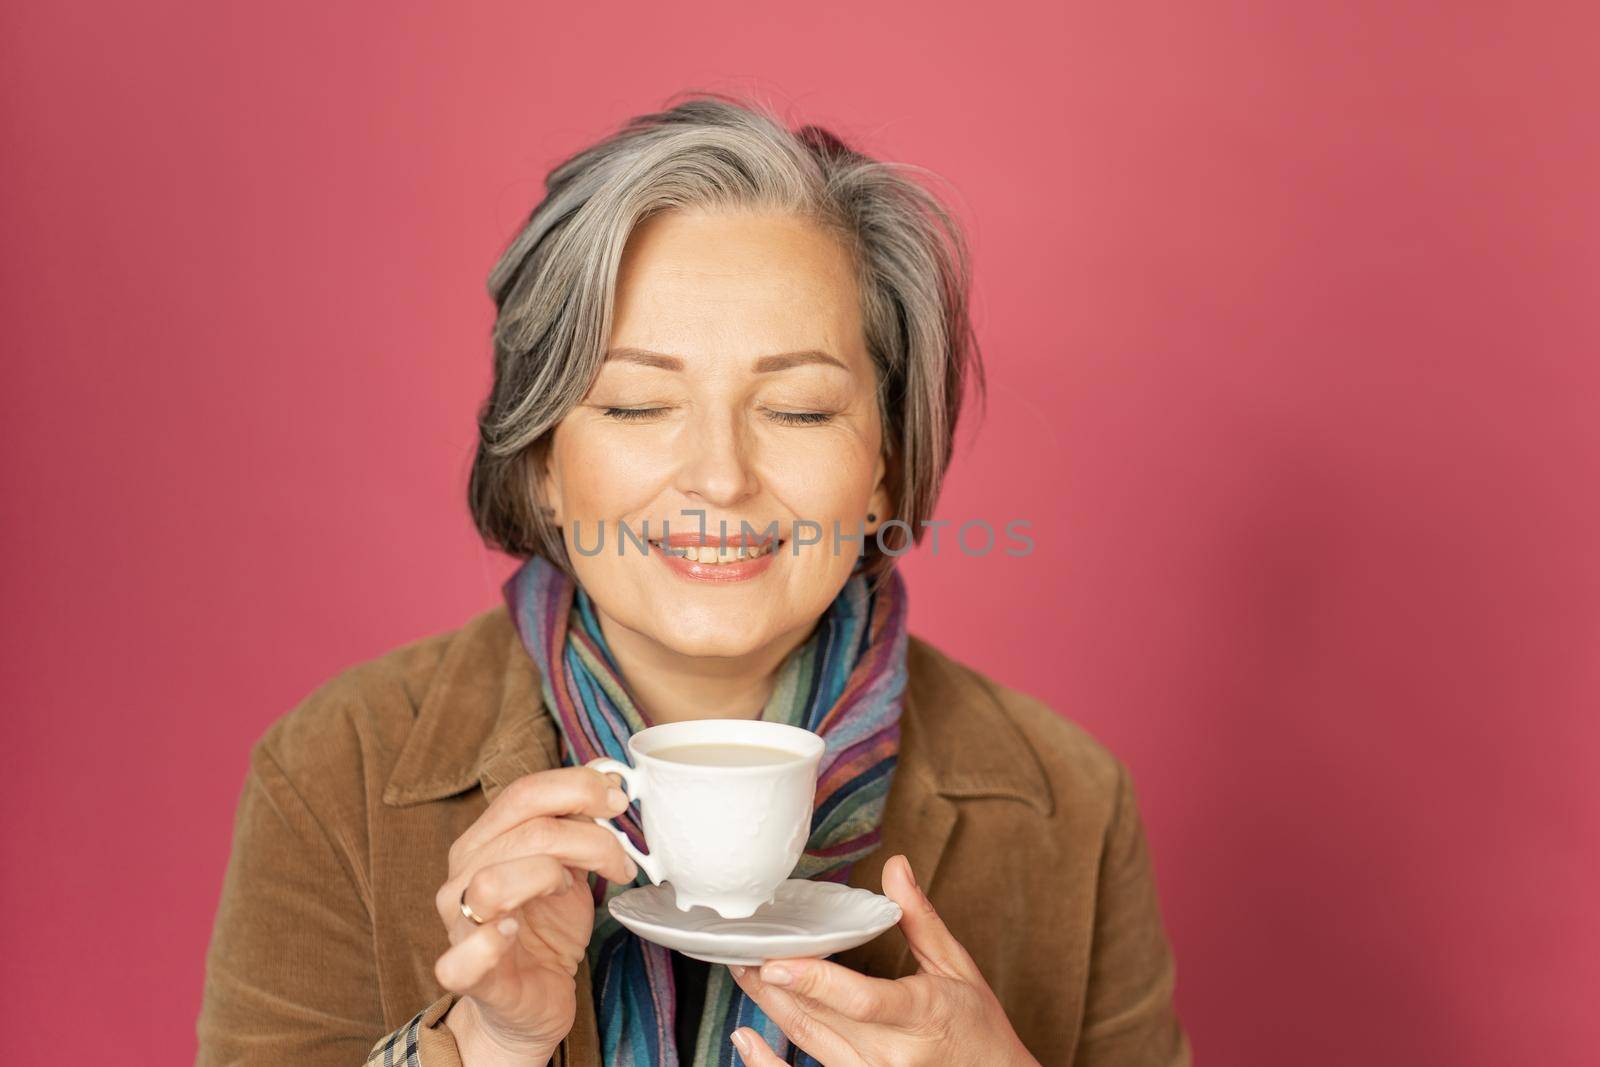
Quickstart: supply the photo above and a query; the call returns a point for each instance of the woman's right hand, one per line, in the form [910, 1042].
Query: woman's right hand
[523, 867]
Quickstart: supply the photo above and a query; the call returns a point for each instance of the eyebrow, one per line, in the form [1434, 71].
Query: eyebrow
[764, 365]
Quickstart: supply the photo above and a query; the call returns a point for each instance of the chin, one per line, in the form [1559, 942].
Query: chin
[712, 637]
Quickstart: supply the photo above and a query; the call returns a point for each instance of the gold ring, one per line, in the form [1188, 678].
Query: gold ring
[466, 909]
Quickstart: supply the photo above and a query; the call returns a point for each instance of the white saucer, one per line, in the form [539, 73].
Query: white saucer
[806, 918]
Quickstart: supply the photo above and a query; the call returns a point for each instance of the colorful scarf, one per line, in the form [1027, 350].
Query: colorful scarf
[844, 684]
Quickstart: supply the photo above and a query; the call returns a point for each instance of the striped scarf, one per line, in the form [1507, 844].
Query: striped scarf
[844, 684]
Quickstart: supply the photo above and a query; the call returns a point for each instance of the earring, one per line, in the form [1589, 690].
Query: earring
[871, 517]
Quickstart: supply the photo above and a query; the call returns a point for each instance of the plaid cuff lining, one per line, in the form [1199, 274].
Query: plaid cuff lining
[399, 1049]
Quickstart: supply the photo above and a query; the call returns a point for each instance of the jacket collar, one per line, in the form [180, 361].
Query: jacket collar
[482, 720]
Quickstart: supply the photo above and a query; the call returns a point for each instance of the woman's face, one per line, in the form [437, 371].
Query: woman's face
[737, 384]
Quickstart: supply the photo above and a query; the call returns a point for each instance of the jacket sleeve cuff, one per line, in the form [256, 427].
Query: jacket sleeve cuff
[426, 1041]
[421, 1041]
[435, 1040]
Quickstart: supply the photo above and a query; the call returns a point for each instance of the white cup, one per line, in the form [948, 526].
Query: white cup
[724, 837]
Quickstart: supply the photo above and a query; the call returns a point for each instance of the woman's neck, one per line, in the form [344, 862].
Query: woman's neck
[671, 687]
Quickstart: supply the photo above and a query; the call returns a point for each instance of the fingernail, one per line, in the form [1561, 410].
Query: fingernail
[910, 874]
[776, 974]
[633, 871]
[616, 798]
[507, 926]
[567, 871]
[741, 1041]
[737, 969]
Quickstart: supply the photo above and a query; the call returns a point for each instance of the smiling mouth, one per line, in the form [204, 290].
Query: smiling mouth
[718, 555]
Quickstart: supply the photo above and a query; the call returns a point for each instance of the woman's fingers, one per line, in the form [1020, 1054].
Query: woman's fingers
[797, 1023]
[465, 964]
[754, 1050]
[575, 843]
[850, 993]
[500, 888]
[560, 791]
[935, 947]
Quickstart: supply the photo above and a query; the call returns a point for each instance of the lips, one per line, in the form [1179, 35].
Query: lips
[709, 559]
[717, 552]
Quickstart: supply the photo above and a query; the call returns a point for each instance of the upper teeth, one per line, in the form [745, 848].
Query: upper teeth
[722, 554]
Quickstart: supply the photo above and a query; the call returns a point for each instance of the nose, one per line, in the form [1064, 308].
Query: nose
[716, 466]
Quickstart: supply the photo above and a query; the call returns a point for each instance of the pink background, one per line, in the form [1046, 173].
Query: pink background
[1291, 322]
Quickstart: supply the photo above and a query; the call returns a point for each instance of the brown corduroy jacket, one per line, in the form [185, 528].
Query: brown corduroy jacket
[1024, 831]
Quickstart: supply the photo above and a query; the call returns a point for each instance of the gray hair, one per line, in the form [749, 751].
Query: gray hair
[553, 289]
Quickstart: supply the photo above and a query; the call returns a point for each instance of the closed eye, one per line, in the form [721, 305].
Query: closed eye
[799, 418]
[786, 418]
[631, 414]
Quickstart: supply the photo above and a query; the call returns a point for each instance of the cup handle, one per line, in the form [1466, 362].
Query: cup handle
[633, 783]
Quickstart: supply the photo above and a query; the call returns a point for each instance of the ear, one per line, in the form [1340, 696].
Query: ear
[881, 503]
[546, 482]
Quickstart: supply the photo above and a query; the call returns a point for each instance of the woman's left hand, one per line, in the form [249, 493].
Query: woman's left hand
[943, 1015]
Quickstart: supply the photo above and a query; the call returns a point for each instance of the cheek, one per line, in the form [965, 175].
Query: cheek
[822, 479]
[603, 478]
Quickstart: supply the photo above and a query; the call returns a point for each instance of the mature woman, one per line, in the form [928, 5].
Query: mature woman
[744, 335]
